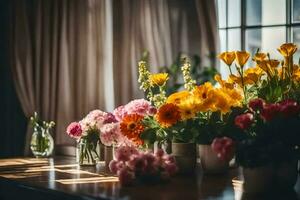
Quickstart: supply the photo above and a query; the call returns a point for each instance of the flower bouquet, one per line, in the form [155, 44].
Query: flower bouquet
[197, 114]
[266, 133]
[87, 134]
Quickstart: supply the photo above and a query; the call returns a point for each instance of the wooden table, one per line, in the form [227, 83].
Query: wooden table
[61, 178]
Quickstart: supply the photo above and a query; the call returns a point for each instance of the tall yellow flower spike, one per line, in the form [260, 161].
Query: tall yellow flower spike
[158, 79]
[287, 49]
[227, 57]
[241, 57]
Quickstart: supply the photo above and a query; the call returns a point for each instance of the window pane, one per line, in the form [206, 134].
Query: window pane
[234, 39]
[296, 10]
[253, 42]
[272, 38]
[267, 39]
[223, 42]
[222, 34]
[234, 13]
[296, 40]
[265, 12]
[222, 13]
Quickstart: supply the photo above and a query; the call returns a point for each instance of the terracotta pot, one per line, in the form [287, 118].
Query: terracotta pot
[185, 156]
[210, 163]
[281, 177]
[108, 155]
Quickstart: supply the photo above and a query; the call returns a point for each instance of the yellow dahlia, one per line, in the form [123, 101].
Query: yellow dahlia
[158, 79]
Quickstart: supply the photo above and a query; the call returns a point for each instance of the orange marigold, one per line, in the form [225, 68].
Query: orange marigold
[168, 114]
[131, 127]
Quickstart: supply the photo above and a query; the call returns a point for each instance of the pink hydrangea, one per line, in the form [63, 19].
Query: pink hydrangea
[120, 112]
[94, 118]
[109, 118]
[74, 130]
[110, 134]
[138, 106]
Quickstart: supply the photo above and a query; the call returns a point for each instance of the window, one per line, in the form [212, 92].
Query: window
[252, 24]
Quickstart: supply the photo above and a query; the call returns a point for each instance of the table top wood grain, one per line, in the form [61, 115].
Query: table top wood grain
[63, 177]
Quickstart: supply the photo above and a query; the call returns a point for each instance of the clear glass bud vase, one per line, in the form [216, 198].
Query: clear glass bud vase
[42, 143]
[88, 152]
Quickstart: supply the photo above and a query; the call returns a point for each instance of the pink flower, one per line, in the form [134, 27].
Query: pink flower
[126, 176]
[289, 108]
[74, 130]
[270, 111]
[113, 166]
[169, 159]
[110, 134]
[109, 118]
[223, 147]
[152, 111]
[256, 104]
[123, 153]
[138, 106]
[171, 168]
[94, 118]
[120, 112]
[244, 121]
[159, 153]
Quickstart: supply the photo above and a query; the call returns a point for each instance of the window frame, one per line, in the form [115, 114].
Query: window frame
[289, 25]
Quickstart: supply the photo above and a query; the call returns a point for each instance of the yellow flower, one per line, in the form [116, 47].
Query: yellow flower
[227, 57]
[204, 94]
[221, 101]
[201, 91]
[234, 96]
[241, 57]
[296, 73]
[259, 57]
[287, 49]
[253, 74]
[188, 108]
[158, 79]
[226, 84]
[268, 66]
[177, 97]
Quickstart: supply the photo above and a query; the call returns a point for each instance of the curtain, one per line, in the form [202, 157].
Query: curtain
[164, 28]
[57, 49]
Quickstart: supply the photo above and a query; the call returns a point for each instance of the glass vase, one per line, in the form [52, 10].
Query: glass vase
[88, 152]
[42, 143]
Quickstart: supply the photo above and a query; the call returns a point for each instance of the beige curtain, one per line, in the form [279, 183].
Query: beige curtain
[57, 58]
[164, 28]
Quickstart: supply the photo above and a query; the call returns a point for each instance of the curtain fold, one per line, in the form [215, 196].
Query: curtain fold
[164, 28]
[57, 59]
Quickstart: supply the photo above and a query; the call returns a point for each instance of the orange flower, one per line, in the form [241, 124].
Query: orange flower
[241, 57]
[131, 127]
[168, 115]
[287, 49]
[227, 57]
